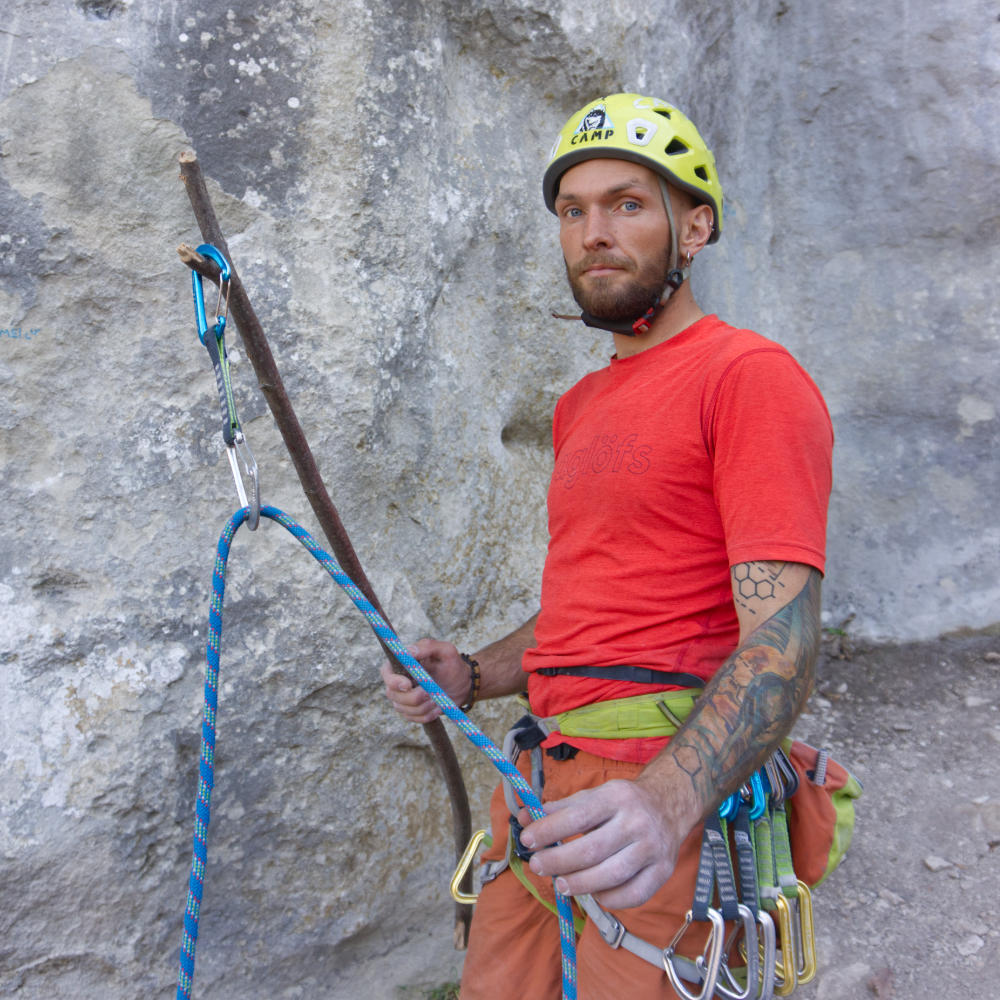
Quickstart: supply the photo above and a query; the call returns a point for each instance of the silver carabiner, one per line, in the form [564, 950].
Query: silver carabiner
[768, 954]
[728, 986]
[241, 448]
[708, 962]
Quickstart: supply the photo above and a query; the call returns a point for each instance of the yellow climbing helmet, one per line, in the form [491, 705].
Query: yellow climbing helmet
[645, 130]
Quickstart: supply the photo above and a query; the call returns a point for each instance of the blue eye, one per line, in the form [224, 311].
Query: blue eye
[631, 206]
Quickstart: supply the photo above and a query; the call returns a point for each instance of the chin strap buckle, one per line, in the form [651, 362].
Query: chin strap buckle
[645, 321]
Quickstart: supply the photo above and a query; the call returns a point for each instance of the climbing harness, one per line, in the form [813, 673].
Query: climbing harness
[765, 906]
[237, 449]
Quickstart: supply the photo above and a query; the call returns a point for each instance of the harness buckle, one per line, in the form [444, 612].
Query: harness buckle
[515, 837]
[611, 929]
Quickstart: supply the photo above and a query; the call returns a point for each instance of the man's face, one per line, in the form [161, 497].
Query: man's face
[615, 237]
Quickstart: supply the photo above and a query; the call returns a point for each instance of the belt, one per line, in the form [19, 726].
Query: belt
[637, 675]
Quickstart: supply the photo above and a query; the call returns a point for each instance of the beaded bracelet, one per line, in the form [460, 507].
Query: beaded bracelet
[474, 689]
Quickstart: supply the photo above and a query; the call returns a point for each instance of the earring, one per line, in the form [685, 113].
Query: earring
[689, 259]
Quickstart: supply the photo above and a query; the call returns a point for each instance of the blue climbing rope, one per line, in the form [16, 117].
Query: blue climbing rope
[206, 776]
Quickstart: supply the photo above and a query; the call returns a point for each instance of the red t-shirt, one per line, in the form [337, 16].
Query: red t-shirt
[711, 449]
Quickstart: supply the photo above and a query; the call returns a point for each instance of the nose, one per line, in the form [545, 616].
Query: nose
[596, 231]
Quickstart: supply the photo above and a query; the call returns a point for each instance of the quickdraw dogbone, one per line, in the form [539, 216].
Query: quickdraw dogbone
[767, 909]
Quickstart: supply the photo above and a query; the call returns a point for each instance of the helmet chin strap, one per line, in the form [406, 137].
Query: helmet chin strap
[676, 276]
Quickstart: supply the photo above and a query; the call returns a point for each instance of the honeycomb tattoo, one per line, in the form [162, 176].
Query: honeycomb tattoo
[755, 582]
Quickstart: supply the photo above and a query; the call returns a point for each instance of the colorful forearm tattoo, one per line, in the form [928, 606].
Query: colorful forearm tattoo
[756, 695]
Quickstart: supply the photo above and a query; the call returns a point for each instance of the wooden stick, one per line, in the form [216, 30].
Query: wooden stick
[269, 378]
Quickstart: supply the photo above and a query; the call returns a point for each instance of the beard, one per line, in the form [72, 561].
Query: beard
[613, 297]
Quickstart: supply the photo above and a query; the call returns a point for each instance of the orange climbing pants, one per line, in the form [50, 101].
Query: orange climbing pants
[514, 949]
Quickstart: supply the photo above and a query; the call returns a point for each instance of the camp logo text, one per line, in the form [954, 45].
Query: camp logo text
[16, 333]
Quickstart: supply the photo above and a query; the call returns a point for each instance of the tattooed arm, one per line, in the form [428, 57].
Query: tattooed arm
[752, 701]
[630, 831]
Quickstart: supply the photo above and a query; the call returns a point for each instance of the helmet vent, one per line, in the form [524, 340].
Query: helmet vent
[702, 173]
[663, 111]
[676, 147]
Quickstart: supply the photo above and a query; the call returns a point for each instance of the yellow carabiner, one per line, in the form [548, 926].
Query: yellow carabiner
[463, 866]
[805, 935]
[785, 977]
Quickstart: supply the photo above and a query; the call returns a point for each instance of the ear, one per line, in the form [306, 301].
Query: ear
[695, 229]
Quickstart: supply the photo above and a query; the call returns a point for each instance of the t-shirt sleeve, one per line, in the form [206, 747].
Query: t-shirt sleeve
[771, 439]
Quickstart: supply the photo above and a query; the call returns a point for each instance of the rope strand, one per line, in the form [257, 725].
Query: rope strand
[206, 777]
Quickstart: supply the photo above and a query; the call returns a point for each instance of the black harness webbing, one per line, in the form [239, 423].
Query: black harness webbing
[637, 675]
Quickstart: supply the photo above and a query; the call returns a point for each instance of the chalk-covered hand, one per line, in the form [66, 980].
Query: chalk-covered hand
[619, 843]
[442, 661]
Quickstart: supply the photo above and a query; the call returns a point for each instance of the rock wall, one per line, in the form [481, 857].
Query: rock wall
[376, 168]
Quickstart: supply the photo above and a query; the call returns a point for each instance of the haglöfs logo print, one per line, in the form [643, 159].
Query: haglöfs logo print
[606, 453]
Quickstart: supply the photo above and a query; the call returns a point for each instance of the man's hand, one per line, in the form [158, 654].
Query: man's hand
[625, 844]
[442, 661]
[499, 664]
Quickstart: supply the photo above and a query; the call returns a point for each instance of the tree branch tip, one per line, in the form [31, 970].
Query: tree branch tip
[188, 254]
[194, 260]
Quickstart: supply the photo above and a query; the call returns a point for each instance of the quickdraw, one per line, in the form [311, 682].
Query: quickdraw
[237, 449]
[249, 514]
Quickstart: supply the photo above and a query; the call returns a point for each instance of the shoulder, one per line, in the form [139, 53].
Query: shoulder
[742, 359]
[754, 381]
[727, 344]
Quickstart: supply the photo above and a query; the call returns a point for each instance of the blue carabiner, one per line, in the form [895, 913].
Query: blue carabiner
[757, 796]
[207, 250]
[752, 792]
[729, 807]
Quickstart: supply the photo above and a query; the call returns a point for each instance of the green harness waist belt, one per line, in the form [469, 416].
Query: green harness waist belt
[645, 715]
